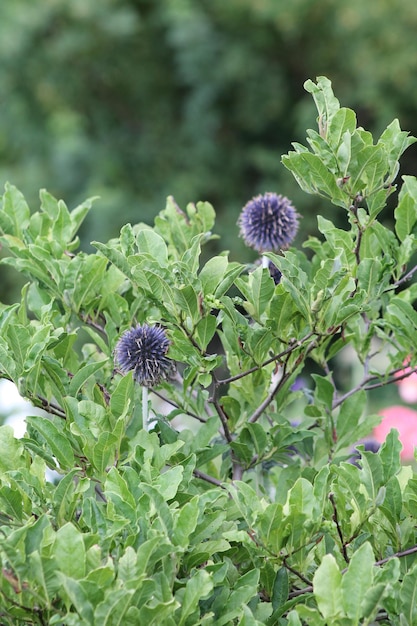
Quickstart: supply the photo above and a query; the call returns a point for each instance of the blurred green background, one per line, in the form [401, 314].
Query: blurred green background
[135, 100]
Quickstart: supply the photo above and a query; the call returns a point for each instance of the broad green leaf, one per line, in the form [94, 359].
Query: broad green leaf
[258, 289]
[406, 211]
[408, 596]
[11, 450]
[83, 374]
[198, 586]
[213, 273]
[57, 441]
[87, 281]
[69, 551]
[15, 213]
[389, 453]
[116, 484]
[358, 580]
[80, 596]
[342, 123]
[327, 585]
[11, 502]
[168, 482]
[105, 451]
[371, 472]
[205, 330]
[127, 570]
[372, 601]
[65, 496]
[149, 242]
[149, 552]
[123, 395]
[326, 102]
[186, 522]
[281, 588]
[115, 256]
[349, 416]
[112, 610]
[395, 142]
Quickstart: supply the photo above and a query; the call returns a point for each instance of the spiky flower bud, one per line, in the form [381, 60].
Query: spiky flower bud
[268, 223]
[143, 349]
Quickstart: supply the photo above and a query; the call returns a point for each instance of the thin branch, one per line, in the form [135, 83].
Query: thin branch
[208, 479]
[404, 279]
[364, 384]
[223, 418]
[339, 530]
[177, 406]
[399, 555]
[261, 408]
[277, 357]
[49, 407]
[296, 573]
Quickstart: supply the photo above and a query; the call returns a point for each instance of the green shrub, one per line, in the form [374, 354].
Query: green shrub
[226, 496]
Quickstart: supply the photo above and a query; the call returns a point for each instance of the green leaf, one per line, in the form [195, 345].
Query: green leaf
[80, 596]
[168, 482]
[56, 440]
[69, 551]
[149, 242]
[198, 587]
[186, 522]
[349, 416]
[11, 450]
[105, 451]
[327, 585]
[389, 453]
[395, 142]
[123, 395]
[213, 273]
[406, 211]
[11, 502]
[205, 330]
[280, 589]
[14, 213]
[258, 289]
[115, 256]
[65, 496]
[326, 102]
[112, 610]
[408, 596]
[358, 580]
[83, 374]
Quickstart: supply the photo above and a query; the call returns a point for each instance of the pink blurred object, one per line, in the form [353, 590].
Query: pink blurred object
[404, 420]
[407, 387]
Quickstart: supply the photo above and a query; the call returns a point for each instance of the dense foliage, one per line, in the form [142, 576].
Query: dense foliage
[238, 501]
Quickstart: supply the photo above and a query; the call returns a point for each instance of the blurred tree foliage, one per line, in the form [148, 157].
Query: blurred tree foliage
[134, 100]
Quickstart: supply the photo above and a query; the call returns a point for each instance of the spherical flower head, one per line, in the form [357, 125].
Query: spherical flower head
[268, 223]
[143, 349]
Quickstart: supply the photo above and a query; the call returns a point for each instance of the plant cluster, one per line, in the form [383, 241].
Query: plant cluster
[204, 476]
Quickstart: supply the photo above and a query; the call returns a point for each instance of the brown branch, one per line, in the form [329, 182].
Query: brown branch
[177, 406]
[399, 555]
[208, 479]
[364, 384]
[339, 530]
[296, 573]
[277, 357]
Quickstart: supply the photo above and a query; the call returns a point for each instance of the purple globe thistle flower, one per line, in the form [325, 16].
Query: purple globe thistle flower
[143, 349]
[268, 222]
